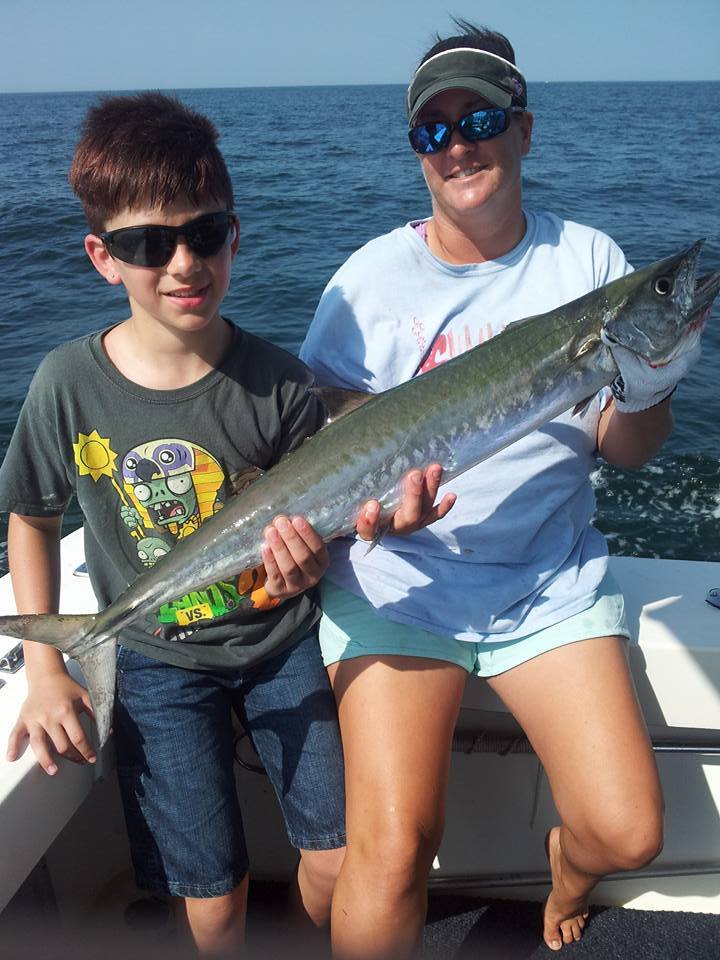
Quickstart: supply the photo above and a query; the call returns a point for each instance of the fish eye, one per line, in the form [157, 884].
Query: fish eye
[663, 286]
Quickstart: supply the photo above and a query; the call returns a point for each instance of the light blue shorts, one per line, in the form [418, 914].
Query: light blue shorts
[350, 627]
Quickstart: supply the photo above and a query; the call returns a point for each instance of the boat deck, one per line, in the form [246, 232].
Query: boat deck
[472, 928]
[458, 928]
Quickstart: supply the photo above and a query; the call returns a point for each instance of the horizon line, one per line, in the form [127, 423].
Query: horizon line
[285, 86]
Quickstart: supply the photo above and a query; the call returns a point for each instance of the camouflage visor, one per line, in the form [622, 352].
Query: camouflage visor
[493, 78]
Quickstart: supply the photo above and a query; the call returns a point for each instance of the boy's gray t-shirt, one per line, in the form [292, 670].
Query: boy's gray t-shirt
[149, 467]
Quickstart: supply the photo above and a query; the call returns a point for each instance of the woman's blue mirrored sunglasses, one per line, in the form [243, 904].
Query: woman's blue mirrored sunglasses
[478, 125]
[150, 245]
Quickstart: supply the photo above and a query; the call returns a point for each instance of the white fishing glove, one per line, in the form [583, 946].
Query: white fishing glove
[639, 385]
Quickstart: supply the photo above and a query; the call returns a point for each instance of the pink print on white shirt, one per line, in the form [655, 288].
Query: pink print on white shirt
[452, 343]
[419, 333]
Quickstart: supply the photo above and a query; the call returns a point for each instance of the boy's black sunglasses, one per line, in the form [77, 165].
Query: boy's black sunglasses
[149, 245]
[478, 125]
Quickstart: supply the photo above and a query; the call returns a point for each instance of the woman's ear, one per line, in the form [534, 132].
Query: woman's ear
[526, 119]
[101, 259]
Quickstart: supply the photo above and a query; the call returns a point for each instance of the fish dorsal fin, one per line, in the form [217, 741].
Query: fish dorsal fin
[243, 479]
[338, 402]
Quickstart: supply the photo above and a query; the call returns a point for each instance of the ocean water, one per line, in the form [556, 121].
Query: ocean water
[319, 170]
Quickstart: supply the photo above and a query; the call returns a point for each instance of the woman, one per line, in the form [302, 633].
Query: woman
[512, 585]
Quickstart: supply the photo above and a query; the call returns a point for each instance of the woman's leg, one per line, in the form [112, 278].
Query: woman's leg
[578, 707]
[397, 716]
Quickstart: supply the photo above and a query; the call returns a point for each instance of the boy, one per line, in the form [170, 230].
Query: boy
[146, 422]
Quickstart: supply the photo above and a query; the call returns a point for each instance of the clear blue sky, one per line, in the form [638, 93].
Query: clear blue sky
[137, 44]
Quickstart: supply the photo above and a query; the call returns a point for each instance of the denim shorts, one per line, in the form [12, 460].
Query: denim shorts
[175, 742]
[351, 627]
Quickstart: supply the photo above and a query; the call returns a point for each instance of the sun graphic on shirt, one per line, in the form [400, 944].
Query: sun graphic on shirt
[94, 456]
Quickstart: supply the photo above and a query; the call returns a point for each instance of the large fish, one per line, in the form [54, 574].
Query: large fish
[457, 414]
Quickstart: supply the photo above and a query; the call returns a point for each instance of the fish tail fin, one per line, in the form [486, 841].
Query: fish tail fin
[97, 662]
[59, 630]
[98, 666]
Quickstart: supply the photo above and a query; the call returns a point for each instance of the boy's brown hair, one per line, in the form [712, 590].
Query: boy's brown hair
[144, 151]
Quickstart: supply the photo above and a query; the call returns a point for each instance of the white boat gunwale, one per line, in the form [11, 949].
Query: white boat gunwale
[675, 633]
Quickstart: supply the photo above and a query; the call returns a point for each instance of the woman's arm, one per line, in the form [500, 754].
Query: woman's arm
[629, 440]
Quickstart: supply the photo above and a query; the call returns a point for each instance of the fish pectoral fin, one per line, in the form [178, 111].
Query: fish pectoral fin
[377, 538]
[581, 407]
[98, 667]
[339, 402]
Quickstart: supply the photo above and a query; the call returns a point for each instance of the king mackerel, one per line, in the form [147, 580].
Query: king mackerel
[457, 414]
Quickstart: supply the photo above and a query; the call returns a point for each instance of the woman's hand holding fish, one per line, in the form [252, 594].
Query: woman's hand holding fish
[640, 388]
[640, 385]
[417, 510]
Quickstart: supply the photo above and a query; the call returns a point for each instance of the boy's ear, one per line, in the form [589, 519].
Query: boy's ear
[235, 242]
[101, 259]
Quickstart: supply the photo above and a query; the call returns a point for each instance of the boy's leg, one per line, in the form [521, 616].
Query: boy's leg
[174, 741]
[312, 886]
[215, 926]
[289, 712]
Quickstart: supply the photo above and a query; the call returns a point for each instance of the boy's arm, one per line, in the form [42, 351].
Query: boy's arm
[49, 717]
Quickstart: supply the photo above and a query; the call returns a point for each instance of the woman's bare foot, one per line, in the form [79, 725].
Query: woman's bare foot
[564, 912]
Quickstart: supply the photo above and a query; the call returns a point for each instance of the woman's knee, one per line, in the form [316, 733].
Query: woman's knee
[638, 844]
[398, 853]
[628, 840]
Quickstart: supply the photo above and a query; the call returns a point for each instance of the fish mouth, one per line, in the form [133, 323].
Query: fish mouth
[666, 307]
[706, 289]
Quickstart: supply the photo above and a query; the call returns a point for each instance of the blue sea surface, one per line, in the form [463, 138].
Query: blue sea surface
[317, 171]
